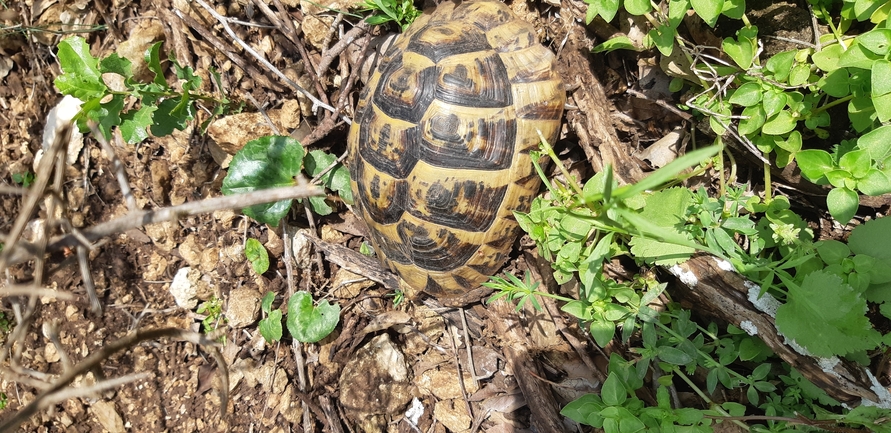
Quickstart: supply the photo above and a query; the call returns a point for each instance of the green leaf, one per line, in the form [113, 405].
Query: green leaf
[877, 40]
[81, 77]
[584, 410]
[134, 124]
[856, 56]
[753, 121]
[337, 179]
[874, 183]
[832, 252]
[827, 59]
[116, 64]
[780, 64]
[882, 106]
[835, 83]
[742, 51]
[842, 204]
[307, 323]
[257, 255]
[172, 113]
[856, 162]
[780, 124]
[746, 95]
[153, 62]
[602, 331]
[862, 113]
[607, 9]
[271, 326]
[862, 242]
[800, 74]
[266, 162]
[734, 8]
[881, 77]
[620, 42]
[708, 10]
[667, 173]
[826, 316]
[877, 142]
[613, 391]
[673, 355]
[773, 100]
[677, 10]
[266, 303]
[638, 7]
[663, 37]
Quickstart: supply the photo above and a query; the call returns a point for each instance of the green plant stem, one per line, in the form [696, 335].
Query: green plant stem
[550, 152]
[831, 104]
[712, 405]
[767, 185]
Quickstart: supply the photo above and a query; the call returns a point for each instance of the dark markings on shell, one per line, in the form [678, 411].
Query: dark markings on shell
[540, 111]
[483, 16]
[437, 252]
[483, 84]
[463, 282]
[437, 42]
[385, 199]
[475, 143]
[433, 287]
[403, 92]
[469, 206]
[387, 149]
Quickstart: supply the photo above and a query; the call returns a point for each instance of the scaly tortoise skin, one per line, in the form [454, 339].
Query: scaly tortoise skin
[439, 148]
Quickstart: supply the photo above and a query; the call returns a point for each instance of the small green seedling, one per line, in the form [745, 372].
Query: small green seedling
[257, 255]
[309, 323]
[401, 12]
[271, 325]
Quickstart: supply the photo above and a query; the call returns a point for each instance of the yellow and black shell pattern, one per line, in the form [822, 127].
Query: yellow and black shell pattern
[439, 148]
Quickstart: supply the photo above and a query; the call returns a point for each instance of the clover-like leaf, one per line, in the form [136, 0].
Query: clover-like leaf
[308, 323]
[266, 162]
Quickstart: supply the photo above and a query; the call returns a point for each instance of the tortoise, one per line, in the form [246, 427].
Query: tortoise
[439, 150]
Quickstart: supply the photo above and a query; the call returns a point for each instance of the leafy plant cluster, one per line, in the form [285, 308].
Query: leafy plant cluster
[775, 105]
[399, 12]
[267, 162]
[138, 107]
[825, 287]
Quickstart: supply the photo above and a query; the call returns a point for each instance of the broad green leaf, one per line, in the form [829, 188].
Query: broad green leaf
[842, 204]
[742, 51]
[677, 10]
[877, 142]
[780, 124]
[840, 178]
[637, 7]
[753, 121]
[620, 42]
[863, 9]
[602, 331]
[800, 74]
[257, 255]
[746, 95]
[835, 83]
[584, 410]
[667, 173]
[734, 8]
[773, 100]
[613, 392]
[663, 37]
[115, 64]
[266, 303]
[863, 241]
[337, 179]
[881, 14]
[607, 9]
[134, 124]
[153, 62]
[81, 77]
[826, 316]
[173, 113]
[780, 64]
[874, 183]
[881, 77]
[308, 323]
[856, 162]
[271, 326]
[267, 162]
[319, 206]
[882, 106]
[674, 356]
[708, 10]
[827, 59]
[832, 251]
[878, 41]
[862, 113]
[856, 56]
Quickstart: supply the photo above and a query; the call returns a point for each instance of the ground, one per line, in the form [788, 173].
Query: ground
[386, 367]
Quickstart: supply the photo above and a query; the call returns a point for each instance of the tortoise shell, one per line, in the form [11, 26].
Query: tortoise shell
[439, 148]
